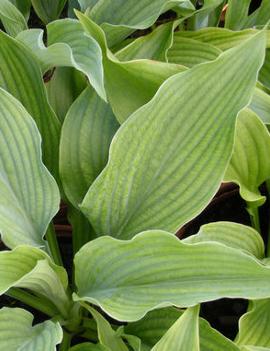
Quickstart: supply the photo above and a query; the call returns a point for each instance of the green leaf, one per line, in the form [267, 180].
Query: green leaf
[264, 75]
[249, 166]
[155, 324]
[153, 46]
[121, 18]
[189, 52]
[222, 38]
[86, 136]
[106, 335]
[231, 234]
[183, 334]
[63, 88]
[84, 52]
[254, 326]
[23, 6]
[30, 268]
[134, 83]
[48, 10]
[260, 104]
[130, 84]
[133, 341]
[182, 148]
[203, 16]
[11, 17]
[82, 231]
[29, 197]
[18, 334]
[155, 269]
[72, 4]
[254, 348]
[212, 340]
[237, 14]
[21, 76]
[87, 346]
[85, 4]
[67, 46]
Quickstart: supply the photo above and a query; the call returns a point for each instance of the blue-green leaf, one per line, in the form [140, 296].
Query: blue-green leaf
[48, 10]
[182, 139]
[18, 334]
[155, 269]
[20, 75]
[29, 197]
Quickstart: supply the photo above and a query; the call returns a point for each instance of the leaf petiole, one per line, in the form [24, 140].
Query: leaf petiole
[39, 303]
[53, 245]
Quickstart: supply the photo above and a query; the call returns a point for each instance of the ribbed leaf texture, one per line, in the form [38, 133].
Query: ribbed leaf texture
[167, 161]
[29, 197]
[17, 332]
[155, 269]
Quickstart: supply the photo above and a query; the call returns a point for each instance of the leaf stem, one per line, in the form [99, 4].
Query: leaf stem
[53, 245]
[37, 303]
[254, 217]
[65, 345]
[268, 229]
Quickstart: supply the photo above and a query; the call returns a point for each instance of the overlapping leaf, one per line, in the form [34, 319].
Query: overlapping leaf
[189, 52]
[21, 76]
[130, 84]
[260, 104]
[264, 76]
[222, 38]
[183, 334]
[154, 325]
[254, 326]
[86, 136]
[231, 234]
[85, 4]
[237, 14]
[30, 268]
[23, 6]
[18, 334]
[67, 46]
[11, 17]
[106, 335]
[120, 18]
[87, 346]
[63, 88]
[48, 10]
[249, 166]
[182, 141]
[155, 269]
[254, 348]
[153, 46]
[29, 197]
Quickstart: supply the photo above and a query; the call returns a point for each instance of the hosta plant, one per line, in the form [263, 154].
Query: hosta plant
[131, 115]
